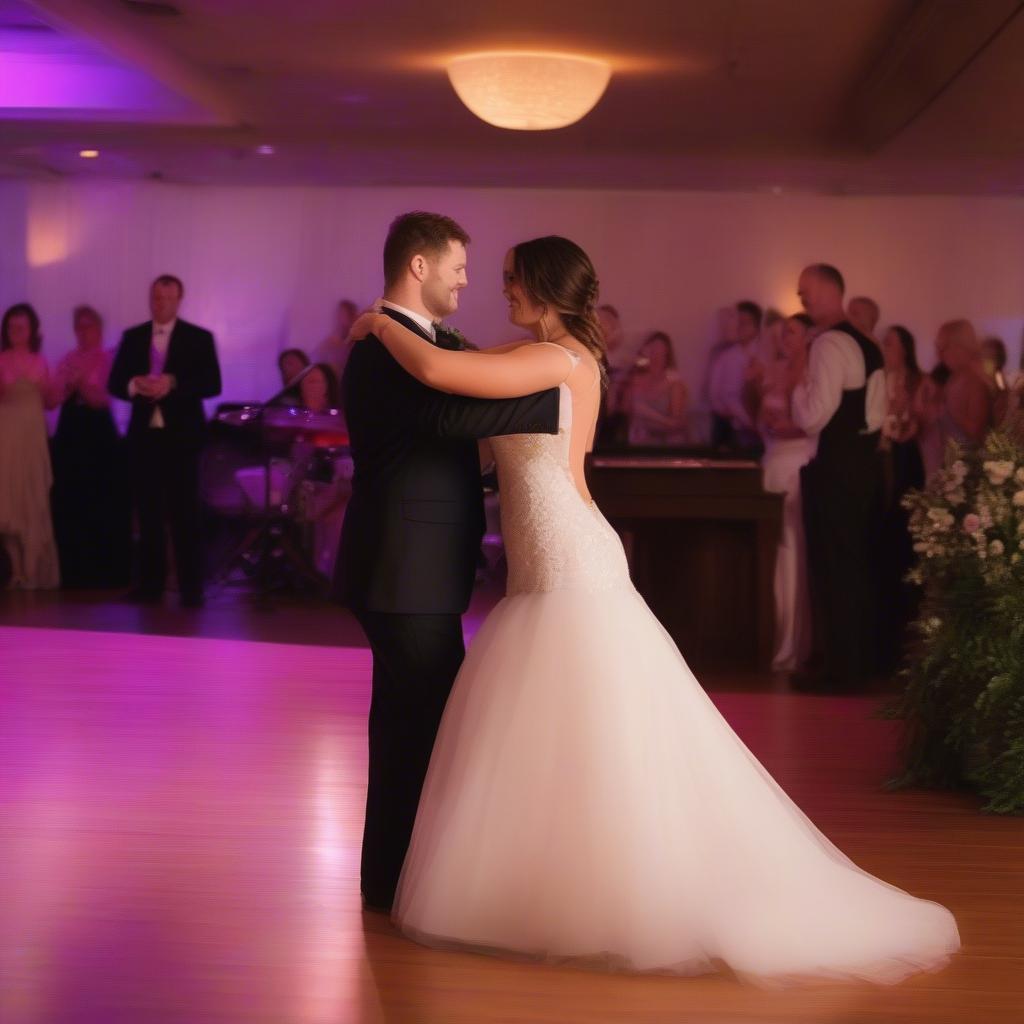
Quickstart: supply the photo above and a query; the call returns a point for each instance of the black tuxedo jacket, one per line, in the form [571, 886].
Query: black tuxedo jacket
[413, 526]
[191, 358]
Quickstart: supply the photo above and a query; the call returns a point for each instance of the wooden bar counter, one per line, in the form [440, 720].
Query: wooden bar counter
[701, 535]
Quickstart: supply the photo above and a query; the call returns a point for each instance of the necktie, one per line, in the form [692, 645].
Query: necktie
[156, 356]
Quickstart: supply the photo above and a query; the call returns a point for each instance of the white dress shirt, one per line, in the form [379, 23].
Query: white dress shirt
[417, 318]
[728, 378]
[835, 365]
[160, 339]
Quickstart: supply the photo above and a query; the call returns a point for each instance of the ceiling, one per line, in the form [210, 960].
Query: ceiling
[852, 96]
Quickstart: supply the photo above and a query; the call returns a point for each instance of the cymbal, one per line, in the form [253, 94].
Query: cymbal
[322, 429]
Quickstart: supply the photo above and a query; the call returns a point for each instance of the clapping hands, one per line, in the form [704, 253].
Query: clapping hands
[154, 386]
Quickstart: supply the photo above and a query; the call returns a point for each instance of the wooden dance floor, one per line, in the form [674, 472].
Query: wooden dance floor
[179, 842]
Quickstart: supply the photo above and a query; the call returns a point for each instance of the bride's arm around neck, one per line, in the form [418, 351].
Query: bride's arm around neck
[513, 373]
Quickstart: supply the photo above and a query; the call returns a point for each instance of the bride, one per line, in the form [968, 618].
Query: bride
[585, 800]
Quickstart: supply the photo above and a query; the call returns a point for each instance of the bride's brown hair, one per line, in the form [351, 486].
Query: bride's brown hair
[557, 273]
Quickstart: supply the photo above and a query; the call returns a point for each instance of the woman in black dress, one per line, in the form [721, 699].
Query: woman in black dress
[902, 471]
[91, 510]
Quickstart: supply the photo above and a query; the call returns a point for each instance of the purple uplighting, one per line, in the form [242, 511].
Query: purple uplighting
[48, 74]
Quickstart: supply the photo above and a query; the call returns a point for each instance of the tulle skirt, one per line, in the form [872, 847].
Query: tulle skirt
[587, 802]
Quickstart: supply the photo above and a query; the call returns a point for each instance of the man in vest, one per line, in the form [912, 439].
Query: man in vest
[841, 400]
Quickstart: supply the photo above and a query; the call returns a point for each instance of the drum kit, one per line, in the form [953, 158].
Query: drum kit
[273, 555]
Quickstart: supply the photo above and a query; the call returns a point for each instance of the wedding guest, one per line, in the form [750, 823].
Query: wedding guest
[1014, 417]
[787, 450]
[290, 363]
[864, 314]
[770, 342]
[727, 328]
[655, 399]
[929, 406]
[993, 365]
[614, 336]
[613, 419]
[730, 378]
[91, 503]
[334, 349]
[841, 402]
[318, 390]
[165, 368]
[967, 414]
[902, 471]
[26, 391]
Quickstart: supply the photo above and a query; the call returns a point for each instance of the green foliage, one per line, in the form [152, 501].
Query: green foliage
[963, 700]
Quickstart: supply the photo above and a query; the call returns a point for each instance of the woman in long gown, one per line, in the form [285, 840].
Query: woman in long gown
[585, 799]
[26, 528]
[91, 500]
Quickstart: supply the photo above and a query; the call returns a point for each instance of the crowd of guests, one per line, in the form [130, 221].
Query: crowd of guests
[756, 372]
[68, 503]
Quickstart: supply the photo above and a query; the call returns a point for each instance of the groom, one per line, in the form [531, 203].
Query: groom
[413, 527]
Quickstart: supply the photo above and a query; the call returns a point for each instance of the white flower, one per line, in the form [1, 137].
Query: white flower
[996, 547]
[1019, 475]
[999, 471]
[1018, 499]
[941, 519]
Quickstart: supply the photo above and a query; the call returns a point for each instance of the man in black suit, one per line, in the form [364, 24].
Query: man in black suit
[412, 530]
[165, 368]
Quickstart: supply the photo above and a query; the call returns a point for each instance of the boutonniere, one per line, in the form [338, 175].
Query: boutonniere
[451, 332]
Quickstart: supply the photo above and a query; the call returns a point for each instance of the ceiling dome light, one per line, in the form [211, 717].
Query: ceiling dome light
[88, 154]
[529, 91]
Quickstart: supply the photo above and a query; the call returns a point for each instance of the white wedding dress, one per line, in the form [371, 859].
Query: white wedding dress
[587, 802]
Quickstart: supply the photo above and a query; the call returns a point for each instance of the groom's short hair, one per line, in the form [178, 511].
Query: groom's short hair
[426, 234]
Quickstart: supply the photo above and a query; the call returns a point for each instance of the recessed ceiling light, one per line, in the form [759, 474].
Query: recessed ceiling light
[265, 150]
[88, 154]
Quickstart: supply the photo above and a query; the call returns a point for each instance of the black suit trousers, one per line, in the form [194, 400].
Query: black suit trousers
[415, 661]
[165, 480]
[837, 512]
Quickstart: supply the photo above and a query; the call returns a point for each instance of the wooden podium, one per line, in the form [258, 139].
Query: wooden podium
[701, 535]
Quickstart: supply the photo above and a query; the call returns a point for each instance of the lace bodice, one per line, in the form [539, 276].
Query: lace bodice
[554, 538]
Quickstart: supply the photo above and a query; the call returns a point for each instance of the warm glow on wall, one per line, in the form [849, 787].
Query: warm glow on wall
[529, 91]
[48, 230]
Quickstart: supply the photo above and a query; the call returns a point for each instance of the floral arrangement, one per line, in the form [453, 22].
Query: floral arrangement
[964, 697]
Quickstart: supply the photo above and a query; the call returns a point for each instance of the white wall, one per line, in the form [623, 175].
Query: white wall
[264, 266]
